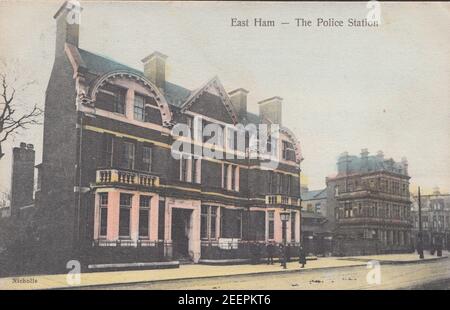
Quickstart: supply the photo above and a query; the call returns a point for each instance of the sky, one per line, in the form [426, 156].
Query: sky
[343, 89]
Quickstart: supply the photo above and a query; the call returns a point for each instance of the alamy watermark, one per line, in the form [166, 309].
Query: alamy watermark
[238, 141]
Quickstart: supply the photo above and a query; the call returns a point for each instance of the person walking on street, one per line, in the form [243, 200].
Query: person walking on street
[270, 252]
[302, 256]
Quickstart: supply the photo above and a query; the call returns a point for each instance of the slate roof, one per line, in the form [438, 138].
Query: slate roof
[355, 164]
[316, 194]
[99, 65]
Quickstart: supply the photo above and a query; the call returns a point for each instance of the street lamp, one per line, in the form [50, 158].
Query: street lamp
[284, 215]
[420, 242]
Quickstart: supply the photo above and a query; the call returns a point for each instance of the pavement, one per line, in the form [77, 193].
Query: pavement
[197, 271]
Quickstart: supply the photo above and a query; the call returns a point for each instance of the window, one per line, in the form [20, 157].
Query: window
[225, 176]
[128, 155]
[288, 184]
[147, 158]
[144, 216]
[196, 170]
[119, 101]
[230, 143]
[271, 225]
[208, 224]
[108, 141]
[288, 151]
[348, 210]
[230, 177]
[279, 183]
[272, 145]
[111, 98]
[139, 108]
[318, 207]
[293, 223]
[184, 162]
[103, 197]
[124, 215]
[273, 178]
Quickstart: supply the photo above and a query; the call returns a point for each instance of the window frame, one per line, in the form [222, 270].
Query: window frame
[126, 207]
[103, 206]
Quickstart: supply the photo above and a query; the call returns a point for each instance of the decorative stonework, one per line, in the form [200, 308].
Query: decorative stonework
[166, 114]
[295, 142]
[215, 86]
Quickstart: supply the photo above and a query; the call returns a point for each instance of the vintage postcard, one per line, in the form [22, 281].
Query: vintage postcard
[170, 145]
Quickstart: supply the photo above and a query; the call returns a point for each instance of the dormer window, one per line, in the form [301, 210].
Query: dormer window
[111, 98]
[288, 151]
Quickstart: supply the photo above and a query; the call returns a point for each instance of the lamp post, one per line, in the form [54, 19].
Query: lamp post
[420, 242]
[284, 215]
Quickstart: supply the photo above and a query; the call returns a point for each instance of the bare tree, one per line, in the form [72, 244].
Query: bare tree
[13, 119]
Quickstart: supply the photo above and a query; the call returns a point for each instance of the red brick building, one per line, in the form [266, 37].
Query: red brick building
[111, 193]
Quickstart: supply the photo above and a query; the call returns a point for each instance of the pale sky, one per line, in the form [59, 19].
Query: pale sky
[344, 89]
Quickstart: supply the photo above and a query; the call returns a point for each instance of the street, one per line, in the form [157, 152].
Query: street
[427, 275]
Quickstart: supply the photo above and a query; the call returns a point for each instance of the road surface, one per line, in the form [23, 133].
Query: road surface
[432, 275]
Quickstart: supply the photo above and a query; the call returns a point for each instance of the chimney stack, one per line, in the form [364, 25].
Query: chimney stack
[238, 98]
[22, 184]
[380, 155]
[155, 69]
[270, 109]
[67, 25]
[364, 160]
[405, 165]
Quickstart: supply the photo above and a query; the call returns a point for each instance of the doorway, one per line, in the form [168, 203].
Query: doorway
[180, 232]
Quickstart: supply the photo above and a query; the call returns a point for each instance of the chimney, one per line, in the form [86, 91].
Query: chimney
[22, 184]
[155, 69]
[364, 160]
[405, 165]
[67, 25]
[380, 155]
[270, 109]
[238, 98]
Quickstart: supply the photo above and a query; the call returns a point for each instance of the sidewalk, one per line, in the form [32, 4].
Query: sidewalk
[193, 271]
[396, 258]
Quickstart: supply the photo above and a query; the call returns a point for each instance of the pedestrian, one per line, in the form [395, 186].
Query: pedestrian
[270, 253]
[301, 256]
[282, 253]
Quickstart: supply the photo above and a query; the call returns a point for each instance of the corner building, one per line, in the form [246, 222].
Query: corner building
[372, 207]
[112, 193]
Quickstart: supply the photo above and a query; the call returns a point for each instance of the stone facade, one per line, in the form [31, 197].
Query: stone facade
[370, 195]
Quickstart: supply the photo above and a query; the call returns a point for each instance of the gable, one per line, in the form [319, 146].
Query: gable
[212, 106]
[207, 99]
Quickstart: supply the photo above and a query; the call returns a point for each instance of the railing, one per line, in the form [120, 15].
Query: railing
[129, 243]
[282, 200]
[107, 176]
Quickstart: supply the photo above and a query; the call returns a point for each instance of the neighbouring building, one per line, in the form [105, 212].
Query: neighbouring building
[371, 200]
[5, 205]
[435, 219]
[22, 180]
[111, 192]
[315, 230]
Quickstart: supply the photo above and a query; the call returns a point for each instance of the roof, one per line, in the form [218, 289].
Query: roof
[316, 194]
[348, 164]
[100, 65]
